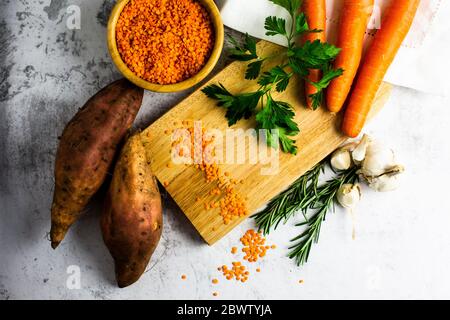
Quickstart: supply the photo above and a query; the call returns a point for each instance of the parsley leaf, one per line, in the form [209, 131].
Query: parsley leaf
[284, 116]
[238, 106]
[314, 55]
[328, 75]
[292, 6]
[253, 70]
[277, 116]
[275, 26]
[283, 83]
[298, 68]
[244, 52]
[316, 99]
[287, 144]
[218, 92]
[243, 107]
[301, 24]
[275, 75]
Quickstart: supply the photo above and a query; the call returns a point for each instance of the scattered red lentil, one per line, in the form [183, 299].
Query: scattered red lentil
[238, 272]
[164, 41]
[300, 281]
[215, 294]
[215, 281]
[183, 277]
[254, 247]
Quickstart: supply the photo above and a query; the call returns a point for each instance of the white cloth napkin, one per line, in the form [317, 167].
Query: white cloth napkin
[421, 63]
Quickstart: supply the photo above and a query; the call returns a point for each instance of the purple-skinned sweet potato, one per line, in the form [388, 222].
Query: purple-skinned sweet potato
[131, 221]
[86, 151]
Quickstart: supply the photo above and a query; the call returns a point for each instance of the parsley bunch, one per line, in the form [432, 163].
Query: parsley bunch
[277, 116]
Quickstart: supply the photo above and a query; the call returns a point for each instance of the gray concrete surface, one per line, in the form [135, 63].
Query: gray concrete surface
[48, 71]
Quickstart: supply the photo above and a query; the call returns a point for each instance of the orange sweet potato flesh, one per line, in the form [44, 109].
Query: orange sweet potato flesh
[86, 151]
[131, 221]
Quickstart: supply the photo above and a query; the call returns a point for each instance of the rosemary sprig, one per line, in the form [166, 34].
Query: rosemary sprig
[298, 197]
[305, 195]
[322, 203]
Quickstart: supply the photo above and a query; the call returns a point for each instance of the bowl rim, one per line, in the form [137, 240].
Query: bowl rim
[183, 85]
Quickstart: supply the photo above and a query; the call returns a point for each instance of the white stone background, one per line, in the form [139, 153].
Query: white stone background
[402, 250]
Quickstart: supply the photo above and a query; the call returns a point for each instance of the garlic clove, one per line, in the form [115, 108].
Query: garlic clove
[349, 195]
[388, 181]
[341, 158]
[359, 153]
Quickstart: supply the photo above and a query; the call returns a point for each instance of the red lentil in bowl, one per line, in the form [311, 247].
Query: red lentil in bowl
[164, 41]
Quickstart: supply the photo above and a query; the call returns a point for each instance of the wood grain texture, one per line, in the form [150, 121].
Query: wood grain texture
[319, 136]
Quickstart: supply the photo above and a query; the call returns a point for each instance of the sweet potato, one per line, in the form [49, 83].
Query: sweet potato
[131, 221]
[86, 151]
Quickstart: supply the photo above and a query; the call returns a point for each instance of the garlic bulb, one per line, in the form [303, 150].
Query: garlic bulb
[379, 167]
[387, 181]
[378, 160]
[349, 195]
[359, 153]
[341, 159]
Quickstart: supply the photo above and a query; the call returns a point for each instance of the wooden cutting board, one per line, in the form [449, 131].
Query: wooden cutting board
[319, 136]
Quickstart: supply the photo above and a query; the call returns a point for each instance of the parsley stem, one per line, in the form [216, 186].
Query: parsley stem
[297, 59]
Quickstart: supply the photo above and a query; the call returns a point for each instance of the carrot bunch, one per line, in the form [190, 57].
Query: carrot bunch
[387, 41]
[362, 77]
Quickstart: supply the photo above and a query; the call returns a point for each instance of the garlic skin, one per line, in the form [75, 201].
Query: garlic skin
[379, 168]
[376, 163]
[388, 181]
[359, 153]
[341, 159]
[349, 195]
[378, 160]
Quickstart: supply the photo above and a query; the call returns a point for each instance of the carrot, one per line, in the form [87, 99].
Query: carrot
[352, 26]
[315, 11]
[394, 28]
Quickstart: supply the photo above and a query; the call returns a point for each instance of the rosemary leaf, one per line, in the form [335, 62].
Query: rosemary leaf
[298, 197]
[323, 202]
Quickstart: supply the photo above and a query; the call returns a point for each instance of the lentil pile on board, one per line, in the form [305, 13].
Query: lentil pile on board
[224, 197]
[164, 41]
